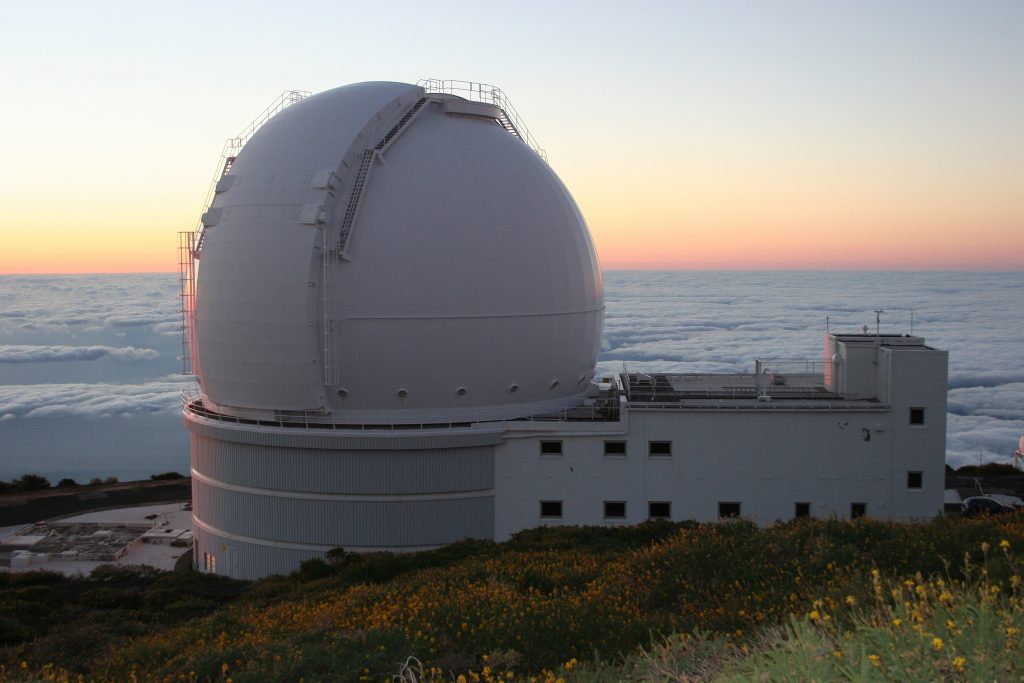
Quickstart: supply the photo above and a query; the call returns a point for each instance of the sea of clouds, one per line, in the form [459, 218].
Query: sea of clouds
[89, 363]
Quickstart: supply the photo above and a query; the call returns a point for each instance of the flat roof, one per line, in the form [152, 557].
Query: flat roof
[736, 391]
[903, 341]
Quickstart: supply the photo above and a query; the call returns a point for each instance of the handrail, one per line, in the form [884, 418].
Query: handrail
[191, 402]
[488, 94]
[232, 146]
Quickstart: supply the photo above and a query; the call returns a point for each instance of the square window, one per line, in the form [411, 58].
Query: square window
[802, 510]
[728, 510]
[615, 509]
[917, 416]
[915, 480]
[551, 509]
[615, 448]
[550, 447]
[659, 510]
[858, 510]
[659, 448]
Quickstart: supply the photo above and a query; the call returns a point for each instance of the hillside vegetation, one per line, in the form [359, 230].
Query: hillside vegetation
[804, 600]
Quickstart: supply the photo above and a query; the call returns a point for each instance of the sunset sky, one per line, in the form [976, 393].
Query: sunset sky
[856, 135]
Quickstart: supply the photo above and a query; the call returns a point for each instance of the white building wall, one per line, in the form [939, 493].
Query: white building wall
[766, 458]
[918, 379]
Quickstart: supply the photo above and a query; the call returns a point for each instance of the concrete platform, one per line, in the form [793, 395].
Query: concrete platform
[167, 519]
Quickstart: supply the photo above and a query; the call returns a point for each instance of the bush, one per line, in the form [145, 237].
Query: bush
[990, 469]
[32, 482]
[551, 597]
[166, 476]
[313, 569]
[67, 482]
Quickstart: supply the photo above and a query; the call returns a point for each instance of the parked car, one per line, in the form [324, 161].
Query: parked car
[983, 505]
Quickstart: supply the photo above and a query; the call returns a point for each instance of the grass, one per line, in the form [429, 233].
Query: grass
[686, 601]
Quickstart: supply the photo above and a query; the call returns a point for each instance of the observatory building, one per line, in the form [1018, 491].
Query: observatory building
[393, 308]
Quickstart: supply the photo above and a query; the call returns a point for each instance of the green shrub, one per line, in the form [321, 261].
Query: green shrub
[166, 476]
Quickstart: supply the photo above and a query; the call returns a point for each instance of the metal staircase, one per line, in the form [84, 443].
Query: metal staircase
[396, 129]
[364, 167]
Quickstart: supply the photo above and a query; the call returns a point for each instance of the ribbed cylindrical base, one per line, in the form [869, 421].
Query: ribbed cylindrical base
[267, 498]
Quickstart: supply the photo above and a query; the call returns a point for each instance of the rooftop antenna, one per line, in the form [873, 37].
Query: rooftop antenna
[826, 324]
[878, 320]
[911, 322]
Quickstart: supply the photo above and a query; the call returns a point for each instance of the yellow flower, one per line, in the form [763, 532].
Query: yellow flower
[958, 663]
[838, 654]
[1010, 632]
[897, 621]
[850, 600]
[875, 660]
[937, 644]
[1004, 544]
[814, 615]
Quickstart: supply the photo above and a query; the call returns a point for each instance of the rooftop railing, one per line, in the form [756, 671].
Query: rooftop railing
[488, 94]
[192, 403]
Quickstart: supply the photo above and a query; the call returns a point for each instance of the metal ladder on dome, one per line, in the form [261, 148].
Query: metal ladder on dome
[364, 169]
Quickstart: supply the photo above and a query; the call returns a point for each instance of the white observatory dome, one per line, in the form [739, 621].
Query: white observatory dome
[382, 253]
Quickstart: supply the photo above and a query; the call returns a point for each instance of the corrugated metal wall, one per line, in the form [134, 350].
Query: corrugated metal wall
[265, 502]
[413, 439]
[244, 560]
[345, 471]
[365, 523]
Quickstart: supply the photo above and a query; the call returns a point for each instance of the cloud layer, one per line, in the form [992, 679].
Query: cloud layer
[23, 353]
[66, 304]
[654, 321]
[89, 400]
